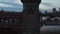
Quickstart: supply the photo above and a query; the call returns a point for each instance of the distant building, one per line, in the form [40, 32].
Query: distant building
[54, 10]
[59, 9]
[46, 12]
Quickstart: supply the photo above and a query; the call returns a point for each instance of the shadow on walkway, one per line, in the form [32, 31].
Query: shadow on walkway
[7, 31]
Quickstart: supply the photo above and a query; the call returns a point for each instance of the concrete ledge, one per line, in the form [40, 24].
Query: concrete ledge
[50, 30]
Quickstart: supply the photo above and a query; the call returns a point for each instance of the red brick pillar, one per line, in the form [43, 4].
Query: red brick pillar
[31, 18]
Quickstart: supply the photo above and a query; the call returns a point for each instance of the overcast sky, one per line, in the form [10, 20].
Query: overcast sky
[49, 4]
[16, 5]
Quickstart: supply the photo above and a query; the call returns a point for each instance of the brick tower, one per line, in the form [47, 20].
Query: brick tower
[31, 19]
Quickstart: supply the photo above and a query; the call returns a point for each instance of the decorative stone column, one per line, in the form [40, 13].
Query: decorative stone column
[31, 19]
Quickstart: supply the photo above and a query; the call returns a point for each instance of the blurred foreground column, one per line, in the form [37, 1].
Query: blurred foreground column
[31, 19]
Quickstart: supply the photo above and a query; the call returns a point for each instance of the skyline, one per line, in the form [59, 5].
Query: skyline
[16, 5]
